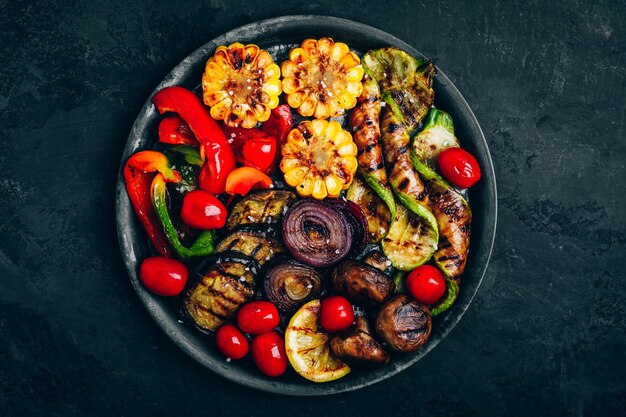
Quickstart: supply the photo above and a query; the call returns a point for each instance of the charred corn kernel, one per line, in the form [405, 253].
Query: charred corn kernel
[322, 78]
[241, 84]
[319, 159]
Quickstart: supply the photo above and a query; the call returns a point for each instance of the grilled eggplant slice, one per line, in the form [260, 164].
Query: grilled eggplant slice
[262, 207]
[437, 135]
[221, 288]
[365, 123]
[376, 213]
[411, 240]
[454, 219]
[260, 244]
[403, 178]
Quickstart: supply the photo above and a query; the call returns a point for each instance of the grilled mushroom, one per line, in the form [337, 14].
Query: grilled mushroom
[404, 323]
[362, 284]
[358, 345]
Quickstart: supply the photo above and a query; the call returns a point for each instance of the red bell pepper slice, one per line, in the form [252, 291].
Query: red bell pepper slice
[253, 147]
[138, 177]
[174, 131]
[243, 179]
[279, 124]
[220, 160]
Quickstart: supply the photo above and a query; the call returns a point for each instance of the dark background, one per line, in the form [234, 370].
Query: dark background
[546, 332]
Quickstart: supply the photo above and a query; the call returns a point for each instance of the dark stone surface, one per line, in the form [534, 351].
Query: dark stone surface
[546, 332]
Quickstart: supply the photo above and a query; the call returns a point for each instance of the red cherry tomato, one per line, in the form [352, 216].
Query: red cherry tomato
[268, 353]
[202, 210]
[231, 342]
[336, 314]
[426, 284]
[252, 147]
[163, 276]
[279, 124]
[459, 167]
[258, 317]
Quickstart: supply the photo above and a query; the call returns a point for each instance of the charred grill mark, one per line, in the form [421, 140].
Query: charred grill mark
[450, 257]
[392, 127]
[401, 150]
[404, 184]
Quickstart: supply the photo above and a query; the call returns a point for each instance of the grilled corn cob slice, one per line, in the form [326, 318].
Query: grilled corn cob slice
[319, 159]
[241, 84]
[322, 78]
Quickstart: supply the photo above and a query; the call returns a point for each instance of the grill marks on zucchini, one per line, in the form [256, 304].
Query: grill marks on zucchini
[410, 242]
[261, 207]
[219, 293]
[454, 219]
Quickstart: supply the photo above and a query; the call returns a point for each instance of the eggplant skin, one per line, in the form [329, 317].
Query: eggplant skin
[358, 345]
[263, 207]
[218, 294]
[404, 323]
[454, 219]
[258, 244]
[362, 284]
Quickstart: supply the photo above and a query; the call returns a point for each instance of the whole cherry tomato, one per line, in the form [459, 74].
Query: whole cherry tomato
[163, 276]
[459, 167]
[336, 314]
[426, 284]
[258, 317]
[231, 342]
[253, 147]
[202, 210]
[268, 353]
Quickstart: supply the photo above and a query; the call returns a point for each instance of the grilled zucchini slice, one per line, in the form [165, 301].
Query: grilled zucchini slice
[257, 244]
[411, 240]
[437, 135]
[262, 207]
[406, 83]
[219, 292]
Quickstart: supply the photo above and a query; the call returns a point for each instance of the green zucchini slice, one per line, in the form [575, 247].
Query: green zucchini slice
[411, 240]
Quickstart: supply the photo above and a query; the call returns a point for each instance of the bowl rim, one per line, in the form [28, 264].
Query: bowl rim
[123, 222]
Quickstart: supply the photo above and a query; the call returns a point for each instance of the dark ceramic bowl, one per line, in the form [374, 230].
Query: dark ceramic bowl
[279, 35]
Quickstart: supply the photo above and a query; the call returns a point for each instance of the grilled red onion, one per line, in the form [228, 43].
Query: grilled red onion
[291, 284]
[318, 233]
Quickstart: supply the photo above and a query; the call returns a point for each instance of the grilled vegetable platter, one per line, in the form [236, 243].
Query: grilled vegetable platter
[306, 209]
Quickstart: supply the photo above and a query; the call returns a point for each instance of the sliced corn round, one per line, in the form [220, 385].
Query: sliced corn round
[319, 159]
[322, 78]
[241, 84]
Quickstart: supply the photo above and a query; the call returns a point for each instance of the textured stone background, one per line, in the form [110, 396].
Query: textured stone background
[546, 332]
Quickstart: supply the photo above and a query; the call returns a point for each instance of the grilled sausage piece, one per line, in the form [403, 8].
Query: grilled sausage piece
[358, 345]
[404, 323]
[403, 178]
[454, 219]
[365, 124]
